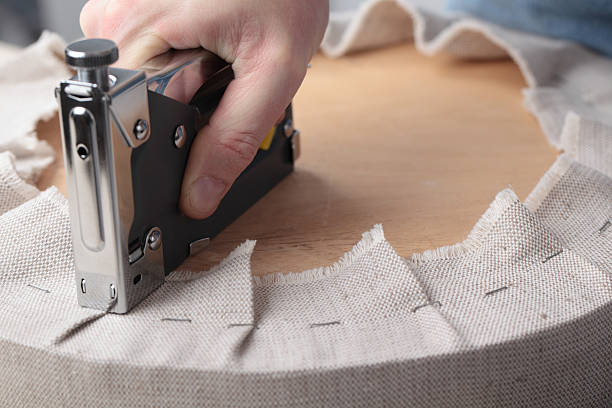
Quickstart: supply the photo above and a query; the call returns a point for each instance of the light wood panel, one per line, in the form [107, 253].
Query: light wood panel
[419, 144]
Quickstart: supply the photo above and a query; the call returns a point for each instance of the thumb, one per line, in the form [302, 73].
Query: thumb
[252, 103]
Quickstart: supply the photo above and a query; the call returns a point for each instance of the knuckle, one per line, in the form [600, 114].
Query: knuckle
[113, 7]
[292, 63]
[87, 17]
[107, 16]
[113, 14]
[283, 52]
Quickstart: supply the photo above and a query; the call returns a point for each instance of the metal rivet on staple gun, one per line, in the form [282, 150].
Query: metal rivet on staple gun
[288, 128]
[180, 136]
[295, 144]
[141, 129]
[154, 238]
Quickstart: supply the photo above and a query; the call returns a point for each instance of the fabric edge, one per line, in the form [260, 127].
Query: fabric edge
[52, 195]
[369, 239]
[244, 249]
[347, 38]
[47, 41]
[22, 188]
[502, 201]
[547, 182]
[487, 30]
[570, 136]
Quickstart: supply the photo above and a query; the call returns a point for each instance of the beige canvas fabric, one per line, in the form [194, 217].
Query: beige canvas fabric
[27, 81]
[35, 267]
[493, 321]
[575, 202]
[588, 142]
[8, 50]
[13, 190]
[519, 314]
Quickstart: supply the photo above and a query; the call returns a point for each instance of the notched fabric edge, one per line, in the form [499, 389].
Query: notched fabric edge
[369, 240]
[477, 235]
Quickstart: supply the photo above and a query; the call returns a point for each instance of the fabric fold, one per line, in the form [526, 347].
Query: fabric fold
[562, 76]
[511, 278]
[342, 33]
[13, 190]
[27, 81]
[588, 142]
[319, 320]
[575, 202]
[357, 311]
[37, 273]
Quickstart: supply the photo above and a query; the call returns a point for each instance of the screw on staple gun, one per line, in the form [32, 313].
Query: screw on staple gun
[126, 138]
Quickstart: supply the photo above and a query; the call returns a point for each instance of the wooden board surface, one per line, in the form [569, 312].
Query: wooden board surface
[419, 144]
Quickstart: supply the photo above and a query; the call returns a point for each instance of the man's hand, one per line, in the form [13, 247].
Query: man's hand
[268, 42]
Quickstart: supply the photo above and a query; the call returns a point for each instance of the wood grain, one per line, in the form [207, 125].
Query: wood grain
[419, 144]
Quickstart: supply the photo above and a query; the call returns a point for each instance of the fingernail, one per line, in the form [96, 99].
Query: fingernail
[205, 194]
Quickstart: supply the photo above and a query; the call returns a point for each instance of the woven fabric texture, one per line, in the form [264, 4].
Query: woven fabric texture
[519, 314]
[575, 201]
[510, 317]
[13, 190]
[588, 142]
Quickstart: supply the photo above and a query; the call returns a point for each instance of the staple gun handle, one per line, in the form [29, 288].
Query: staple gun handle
[207, 98]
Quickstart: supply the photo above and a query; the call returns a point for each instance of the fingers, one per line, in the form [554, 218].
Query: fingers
[131, 24]
[91, 17]
[134, 54]
[223, 149]
[268, 44]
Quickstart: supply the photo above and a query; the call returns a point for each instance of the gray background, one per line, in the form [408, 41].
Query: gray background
[22, 21]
